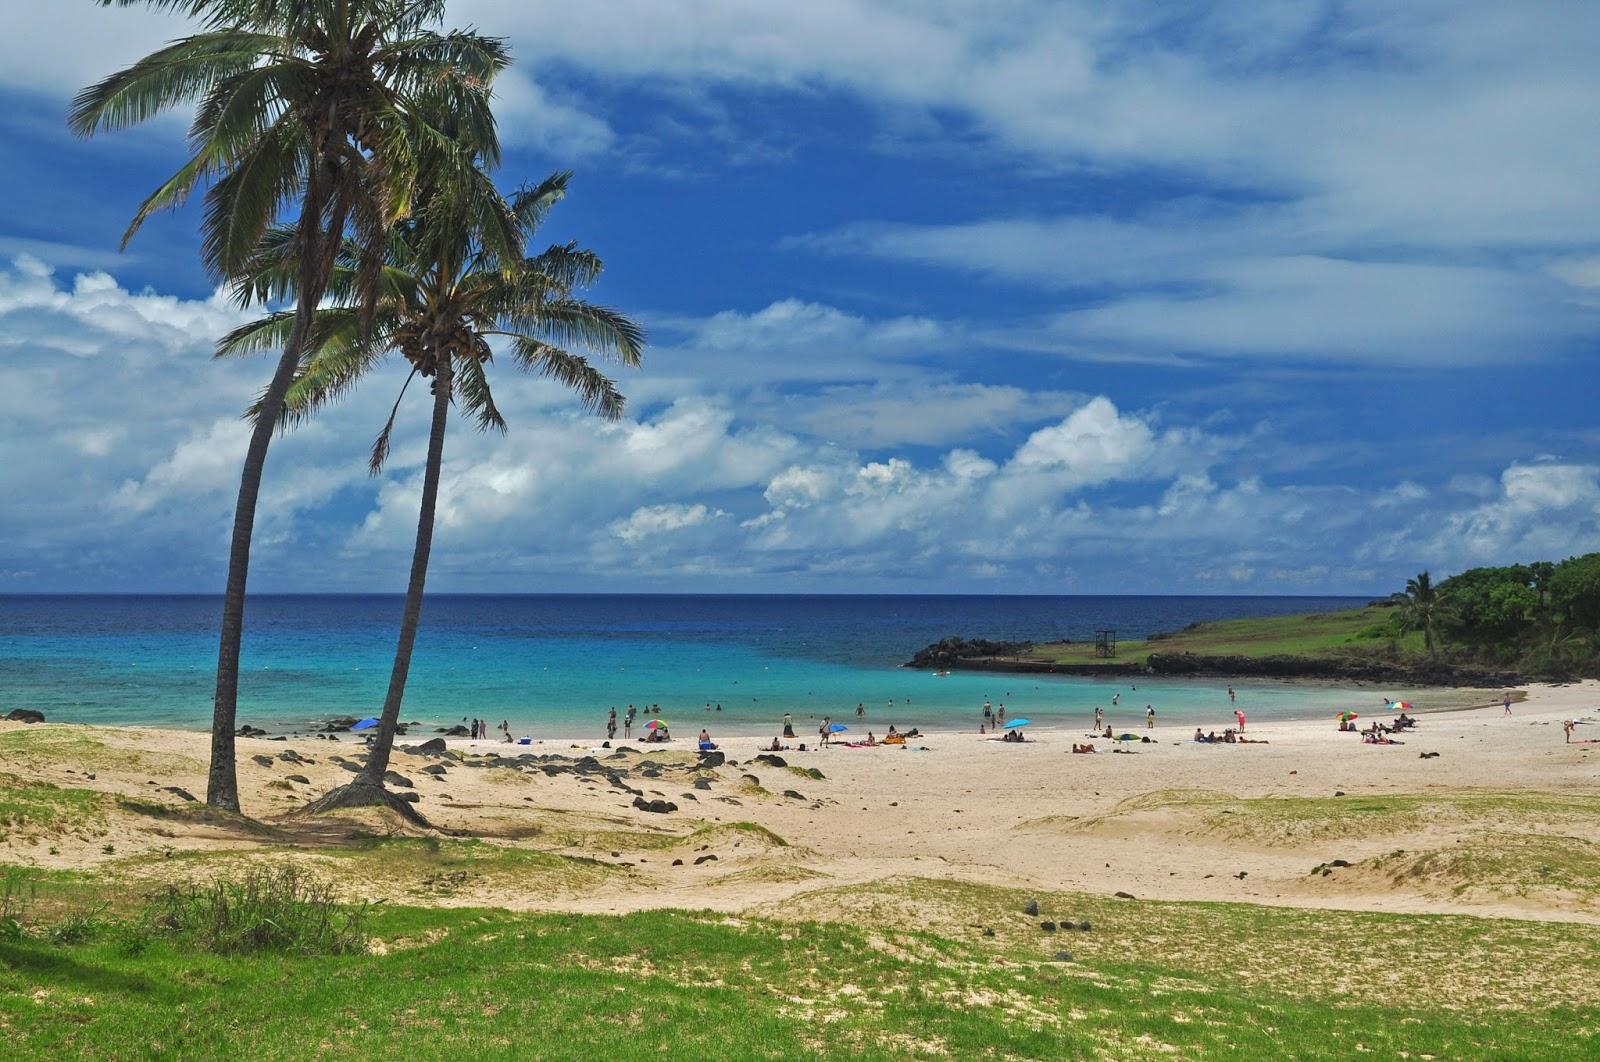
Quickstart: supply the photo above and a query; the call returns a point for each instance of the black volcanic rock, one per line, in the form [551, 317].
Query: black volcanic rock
[953, 649]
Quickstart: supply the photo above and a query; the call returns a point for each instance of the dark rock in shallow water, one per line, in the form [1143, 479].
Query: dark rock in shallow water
[25, 715]
[339, 725]
[944, 653]
[249, 731]
[457, 731]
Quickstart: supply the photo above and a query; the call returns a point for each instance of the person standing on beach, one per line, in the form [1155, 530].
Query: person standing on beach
[822, 731]
[1099, 718]
[1237, 714]
[1150, 716]
[611, 720]
[1508, 704]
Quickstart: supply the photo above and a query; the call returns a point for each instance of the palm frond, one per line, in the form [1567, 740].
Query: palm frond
[476, 396]
[594, 389]
[380, 445]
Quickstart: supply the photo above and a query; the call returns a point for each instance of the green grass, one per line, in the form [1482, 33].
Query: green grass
[675, 984]
[29, 809]
[1500, 864]
[1300, 820]
[1305, 634]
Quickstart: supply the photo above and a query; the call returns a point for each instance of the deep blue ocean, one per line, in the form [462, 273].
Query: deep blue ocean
[553, 664]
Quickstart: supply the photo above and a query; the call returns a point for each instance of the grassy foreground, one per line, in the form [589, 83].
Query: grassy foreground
[910, 973]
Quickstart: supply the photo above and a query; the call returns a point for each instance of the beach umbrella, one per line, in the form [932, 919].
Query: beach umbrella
[837, 728]
[366, 724]
[1345, 717]
[1399, 705]
[656, 724]
[1018, 722]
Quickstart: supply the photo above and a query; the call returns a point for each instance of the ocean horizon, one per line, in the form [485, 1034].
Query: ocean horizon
[554, 664]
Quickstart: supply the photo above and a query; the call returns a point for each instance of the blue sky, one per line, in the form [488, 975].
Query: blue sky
[943, 296]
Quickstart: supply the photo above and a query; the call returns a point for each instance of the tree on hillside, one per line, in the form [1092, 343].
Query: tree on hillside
[1421, 606]
[316, 110]
[454, 280]
[1540, 573]
[1575, 591]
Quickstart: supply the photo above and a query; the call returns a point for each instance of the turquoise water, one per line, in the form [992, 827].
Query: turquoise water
[553, 665]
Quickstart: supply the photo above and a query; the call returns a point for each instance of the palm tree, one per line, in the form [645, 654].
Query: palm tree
[1422, 602]
[315, 109]
[454, 280]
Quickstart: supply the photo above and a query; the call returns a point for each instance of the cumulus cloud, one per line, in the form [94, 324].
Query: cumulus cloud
[649, 521]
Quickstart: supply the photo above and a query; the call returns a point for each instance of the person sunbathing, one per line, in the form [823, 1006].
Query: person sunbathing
[1082, 748]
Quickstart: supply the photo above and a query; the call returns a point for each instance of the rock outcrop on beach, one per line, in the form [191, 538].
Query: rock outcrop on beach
[25, 715]
[952, 651]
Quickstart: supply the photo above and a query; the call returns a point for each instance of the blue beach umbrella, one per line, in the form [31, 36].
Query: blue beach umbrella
[837, 728]
[1018, 722]
[366, 724]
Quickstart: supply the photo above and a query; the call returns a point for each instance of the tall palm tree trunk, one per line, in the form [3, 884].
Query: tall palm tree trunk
[378, 759]
[222, 781]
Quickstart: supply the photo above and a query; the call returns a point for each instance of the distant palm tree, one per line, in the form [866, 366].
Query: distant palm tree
[316, 109]
[1422, 603]
[454, 279]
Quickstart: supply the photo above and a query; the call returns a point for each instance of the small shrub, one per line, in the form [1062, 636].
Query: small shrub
[282, 910]
[17, 891]
[80, 927]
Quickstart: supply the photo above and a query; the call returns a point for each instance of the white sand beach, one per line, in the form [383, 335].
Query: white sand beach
[1500, 822]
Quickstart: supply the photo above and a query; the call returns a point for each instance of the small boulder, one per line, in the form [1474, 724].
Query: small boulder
[793, 795]
[1063, 956]
[775, 761]
[302, 779]
[290, 756]
[701, 783]
[677, 862]
[658, 807]
[712, 759]
[265, 761]
[25, 715]
[1048, 927]
[396, 778]
[1124, 895]
[1031, 908]
[704, 859]
[431, 747]
[410, 798]
[436, 769]
[457, 731]
[180, 793]
[1085, 926]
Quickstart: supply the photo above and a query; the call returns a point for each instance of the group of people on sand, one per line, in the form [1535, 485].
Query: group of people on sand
[480, 729]
[1230, 736]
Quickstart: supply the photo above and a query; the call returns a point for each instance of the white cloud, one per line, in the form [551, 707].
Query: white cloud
[649, 521]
